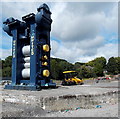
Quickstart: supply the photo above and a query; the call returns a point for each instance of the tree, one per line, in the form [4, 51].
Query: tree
[8, 62]
[6, 67]
[54, 69]
[98, 70]
[99, 64]
[112, 66]
[85, 72]
[93, 68]
[64, 66]
[58, 66]
[118, 64]
[78, 65]
[6, 72]
[0, 68]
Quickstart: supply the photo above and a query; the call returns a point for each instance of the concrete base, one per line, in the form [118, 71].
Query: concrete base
[30, 87]
[65, 97]
[22, 87]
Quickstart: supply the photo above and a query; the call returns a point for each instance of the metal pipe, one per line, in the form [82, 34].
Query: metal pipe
[26, 73]
[27, 65]
[26, 50]
[27, 59]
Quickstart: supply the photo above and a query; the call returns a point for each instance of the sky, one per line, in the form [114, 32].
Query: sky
[80, 31]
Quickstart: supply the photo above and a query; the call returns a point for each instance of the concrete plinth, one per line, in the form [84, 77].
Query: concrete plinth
[65, 97]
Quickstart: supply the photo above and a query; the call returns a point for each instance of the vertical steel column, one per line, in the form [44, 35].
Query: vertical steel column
[14, 56]
[33, 54]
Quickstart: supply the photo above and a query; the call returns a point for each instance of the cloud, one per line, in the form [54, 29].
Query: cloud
[55, 46]
[78, 21]
[5, 52]
[81, 27]
[80, 55]
[73, 51]
[108, 50]
[6, 42]
[18, 9]
[111, 20]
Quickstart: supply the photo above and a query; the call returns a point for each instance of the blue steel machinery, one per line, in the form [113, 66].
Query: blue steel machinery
[30, 50]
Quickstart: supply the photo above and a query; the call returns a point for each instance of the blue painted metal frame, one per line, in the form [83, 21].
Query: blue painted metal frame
[33, 54]
[14, 57]
[34, 31]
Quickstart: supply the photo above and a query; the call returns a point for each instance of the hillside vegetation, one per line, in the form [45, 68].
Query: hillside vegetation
[95, 68]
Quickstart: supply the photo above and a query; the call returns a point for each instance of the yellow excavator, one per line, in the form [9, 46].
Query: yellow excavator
[70, 78]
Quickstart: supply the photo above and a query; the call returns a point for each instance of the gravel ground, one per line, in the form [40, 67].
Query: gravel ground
[19, 110]
[95, 88]
[105, 111]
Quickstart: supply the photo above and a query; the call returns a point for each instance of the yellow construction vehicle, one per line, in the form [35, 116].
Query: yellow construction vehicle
[70, 78]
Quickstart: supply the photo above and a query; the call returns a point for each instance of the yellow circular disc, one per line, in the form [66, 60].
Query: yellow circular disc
[45, 63]
[46, 73]
[46, 48]
[45, 57]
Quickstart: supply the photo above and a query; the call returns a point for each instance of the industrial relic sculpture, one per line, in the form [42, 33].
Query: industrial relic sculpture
[30, 50]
